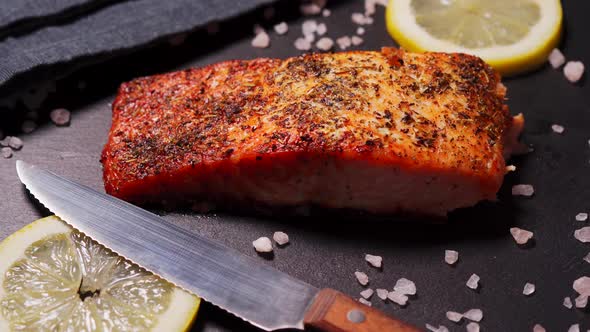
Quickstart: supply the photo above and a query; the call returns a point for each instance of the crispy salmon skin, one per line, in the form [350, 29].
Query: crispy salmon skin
[383, 132]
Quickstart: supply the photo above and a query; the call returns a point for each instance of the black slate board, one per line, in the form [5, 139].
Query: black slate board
[326, 252]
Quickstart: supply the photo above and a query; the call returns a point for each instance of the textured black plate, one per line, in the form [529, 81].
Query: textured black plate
[326, 251]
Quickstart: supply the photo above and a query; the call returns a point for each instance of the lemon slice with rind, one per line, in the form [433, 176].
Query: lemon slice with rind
[55, 279]
[513, 36]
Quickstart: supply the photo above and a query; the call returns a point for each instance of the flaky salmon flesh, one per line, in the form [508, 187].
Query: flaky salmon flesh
[379, 131]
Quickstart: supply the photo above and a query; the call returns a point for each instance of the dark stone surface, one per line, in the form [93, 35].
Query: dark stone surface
[326, 251]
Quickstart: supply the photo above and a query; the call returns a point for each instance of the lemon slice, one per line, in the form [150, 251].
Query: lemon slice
[513, 36]
[55, 279]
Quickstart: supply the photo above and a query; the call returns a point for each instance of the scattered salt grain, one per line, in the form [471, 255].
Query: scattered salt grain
[281, 238]
[567, 302]
[583, 234]
[302, 44]
[309, 27]
[4, 142]
[321, 29]
[556, 58]
[375, 261]
[344, 42]
[262, 244]
[440, 328]
[472, 327]
[473, 281]
[310, 38]
[581, 301]
[356, 40]
[382, 293]
[397, 297]
[361, 19]
[6, 152]
[510, 168]
[360, 31]
[451, 256]
[539, 328]
[523, 190]
[528, 289]
[28, 126]
[15, 143]
[521, 236]
[582, 216]
[326, 13]
[361, 277]
[60, 116]
[365, 302]
[557, 128]
[325, 44]
[582, 286]
[261, 40]
[367, 293]
[475, 315]
[405, 286]
[281, 28]
[310, 9]
[574, 328]
[573, 71]
[454, 316]
[587, 258]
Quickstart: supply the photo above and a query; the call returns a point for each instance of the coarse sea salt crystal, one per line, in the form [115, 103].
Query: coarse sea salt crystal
[261, 40]
[262, 244]
[510, 168]
[405, 286]
[367, 293]
[528, 289]
[356, 40]
[15, 143]
[567, 302]
[454, 316]
[521, 236]
[582, 286]
[361, 19]
[523, 190]
[587, 258]
[281, 28]
[309, 27]
[310, 9]
[321, 29]
[360, 31]
[325, 44]
[361, 277]
[398, 298]
[281, 238]
[538, 328]
[472, 327]
[375, 261]
[326, 12]
[582, 216]
[475, 315]
[574, 328]
[581, 301]
[559, 129]
[451, 256]
[556, 58]
[365, 302]
[302, 44]
[6, 152]
[382, 293]
[344, 42]
[583, 234]
[473, 281]
[370, 6]
[440, 328]
[573, 71]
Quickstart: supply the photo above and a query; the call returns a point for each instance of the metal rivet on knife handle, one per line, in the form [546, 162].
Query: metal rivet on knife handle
[333, 311]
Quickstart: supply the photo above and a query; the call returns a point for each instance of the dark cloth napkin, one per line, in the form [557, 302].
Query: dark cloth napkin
[13, 11]
[118, 26]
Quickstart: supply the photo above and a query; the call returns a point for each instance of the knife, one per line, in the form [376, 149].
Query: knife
[245, 287]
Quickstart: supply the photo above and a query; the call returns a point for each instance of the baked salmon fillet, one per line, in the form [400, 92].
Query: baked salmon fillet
[383, 132]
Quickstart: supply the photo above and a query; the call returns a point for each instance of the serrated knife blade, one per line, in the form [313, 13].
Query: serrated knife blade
[253, 291]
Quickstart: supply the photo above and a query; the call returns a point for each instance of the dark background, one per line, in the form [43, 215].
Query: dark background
[326, 251]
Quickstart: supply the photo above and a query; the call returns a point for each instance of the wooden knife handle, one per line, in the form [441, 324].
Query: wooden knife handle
[333, 311]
